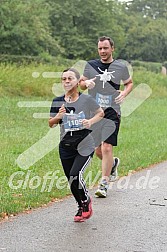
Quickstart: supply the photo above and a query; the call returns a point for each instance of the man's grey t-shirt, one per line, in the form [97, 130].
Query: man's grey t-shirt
[108, 79]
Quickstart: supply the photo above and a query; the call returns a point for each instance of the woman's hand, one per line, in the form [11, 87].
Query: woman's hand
[62, 111]
[53, 121]
[86, 123]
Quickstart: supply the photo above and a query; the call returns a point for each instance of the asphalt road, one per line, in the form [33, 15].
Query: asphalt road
[133, 218]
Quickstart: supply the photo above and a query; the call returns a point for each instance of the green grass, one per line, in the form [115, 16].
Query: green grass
[20, 81]
[143, 136]
[142, 142]
[20, 131]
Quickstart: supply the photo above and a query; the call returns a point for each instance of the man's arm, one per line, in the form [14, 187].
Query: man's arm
[84, 83]
[127, 89]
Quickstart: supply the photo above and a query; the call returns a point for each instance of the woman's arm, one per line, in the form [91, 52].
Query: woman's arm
[99, 114]
[53, 121]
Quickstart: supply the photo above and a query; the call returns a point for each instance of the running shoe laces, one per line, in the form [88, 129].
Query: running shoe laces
[78, 217]
[87, 208]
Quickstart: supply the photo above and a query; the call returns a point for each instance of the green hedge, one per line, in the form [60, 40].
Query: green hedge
[165, 64]
[20, 59]
[26, 60]
[149, 66]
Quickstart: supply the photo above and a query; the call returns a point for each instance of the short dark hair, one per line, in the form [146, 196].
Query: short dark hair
[77, 74]
[106, 38]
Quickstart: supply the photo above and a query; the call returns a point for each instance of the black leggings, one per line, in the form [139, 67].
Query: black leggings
[74, 169]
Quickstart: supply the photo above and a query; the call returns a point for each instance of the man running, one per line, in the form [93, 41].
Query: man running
[102, 77]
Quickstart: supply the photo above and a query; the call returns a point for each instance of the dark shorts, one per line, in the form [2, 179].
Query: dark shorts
[106, 131]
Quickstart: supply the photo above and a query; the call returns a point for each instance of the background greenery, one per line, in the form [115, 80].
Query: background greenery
[50, 35]
[70, 29]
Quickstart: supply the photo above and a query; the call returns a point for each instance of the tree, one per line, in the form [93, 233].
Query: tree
[78, 24]
[24, 27]
[146, 39]
[148, 8]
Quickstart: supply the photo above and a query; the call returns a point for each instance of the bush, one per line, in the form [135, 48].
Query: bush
[150, 66]
[165, 64]
[44, 58]
[20, 59]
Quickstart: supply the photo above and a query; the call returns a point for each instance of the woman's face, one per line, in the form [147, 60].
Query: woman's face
[69, 80]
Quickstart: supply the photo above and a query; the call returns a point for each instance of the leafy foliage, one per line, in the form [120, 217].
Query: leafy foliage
[70, 29]
[148, 8]
[25, 27]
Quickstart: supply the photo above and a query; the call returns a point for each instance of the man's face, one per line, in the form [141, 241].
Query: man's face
[105, 51]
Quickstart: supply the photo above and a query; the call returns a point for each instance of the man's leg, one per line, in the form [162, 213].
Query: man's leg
[109, 132]
[107, 160]
[115, 163]
[105, 153]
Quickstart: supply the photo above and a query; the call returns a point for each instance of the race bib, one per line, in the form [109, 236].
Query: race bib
[73, 122]
[104, 100]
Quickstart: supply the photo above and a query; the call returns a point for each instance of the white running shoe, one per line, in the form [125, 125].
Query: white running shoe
[114, 171]
[102, 190]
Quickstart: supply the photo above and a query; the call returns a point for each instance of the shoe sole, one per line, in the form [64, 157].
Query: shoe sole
[98, 194]
[79, 220]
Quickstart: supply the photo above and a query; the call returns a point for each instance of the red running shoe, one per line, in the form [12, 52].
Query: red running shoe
[78, 217]
[87, 208]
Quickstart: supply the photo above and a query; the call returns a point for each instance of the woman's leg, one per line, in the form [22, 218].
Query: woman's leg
[67, 166]
[74, 169]
[77, 183]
